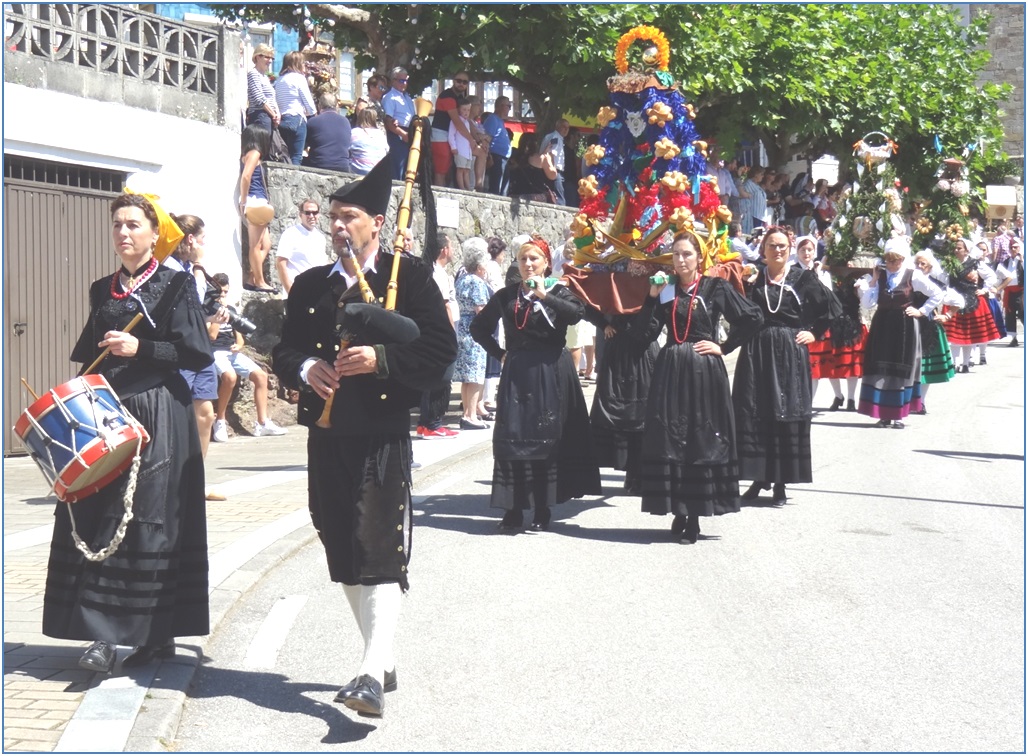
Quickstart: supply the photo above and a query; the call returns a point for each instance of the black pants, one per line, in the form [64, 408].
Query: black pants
[433, 407]
[1014, 311]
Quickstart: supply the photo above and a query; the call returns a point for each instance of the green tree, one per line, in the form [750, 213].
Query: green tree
[804, 79]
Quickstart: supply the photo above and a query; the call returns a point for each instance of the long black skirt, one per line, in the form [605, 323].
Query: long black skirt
[154, 587]
[618, 413]
[771, 398]
[688, 458]
[542, 449]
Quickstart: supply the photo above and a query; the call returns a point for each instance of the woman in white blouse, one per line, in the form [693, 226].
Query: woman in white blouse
[295, 103]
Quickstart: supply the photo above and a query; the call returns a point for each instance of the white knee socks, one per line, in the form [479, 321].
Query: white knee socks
[379, 616]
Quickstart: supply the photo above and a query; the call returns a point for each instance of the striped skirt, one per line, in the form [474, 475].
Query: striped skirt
[978, 327]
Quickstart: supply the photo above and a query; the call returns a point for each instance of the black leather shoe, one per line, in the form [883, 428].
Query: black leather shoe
[922, 411]
[754, 490]
[678, 525]
[388, 686]
[692, 530]
[511, 522]
[99, 657]
[882, 424]
[983, 361]
[541, 521]
[851, 406]
[145, 654]
[366, 698]
[778, 497]
[837, 404]
[898, 424]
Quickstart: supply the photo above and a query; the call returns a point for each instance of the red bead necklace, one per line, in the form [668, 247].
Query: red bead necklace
[133, 281]
[688, 319]
[524, 321]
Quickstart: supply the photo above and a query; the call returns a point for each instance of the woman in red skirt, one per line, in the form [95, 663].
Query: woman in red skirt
[972, 325]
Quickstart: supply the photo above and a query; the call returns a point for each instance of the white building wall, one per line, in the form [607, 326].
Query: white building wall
[192, 166]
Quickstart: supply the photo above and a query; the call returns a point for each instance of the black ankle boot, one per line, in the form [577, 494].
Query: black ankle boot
[778, 495]
[541, 520]
[692, 529]
[837, 404]
[511, 522]
[851, 406]
[678, 525]
[754, 490]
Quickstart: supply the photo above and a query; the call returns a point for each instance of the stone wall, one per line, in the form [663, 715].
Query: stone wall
[478, 215]
[1006, 43]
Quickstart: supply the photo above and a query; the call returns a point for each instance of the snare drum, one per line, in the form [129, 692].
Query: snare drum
[81, 436]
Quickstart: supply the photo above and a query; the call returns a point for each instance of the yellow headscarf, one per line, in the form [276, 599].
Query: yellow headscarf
[168, 232]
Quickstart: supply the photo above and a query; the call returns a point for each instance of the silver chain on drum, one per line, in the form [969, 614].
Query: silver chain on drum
[119, 534]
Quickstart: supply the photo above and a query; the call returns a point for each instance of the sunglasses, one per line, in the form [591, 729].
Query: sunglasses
[461, 81]
[311, 212]
[401, 81]
[379, 86]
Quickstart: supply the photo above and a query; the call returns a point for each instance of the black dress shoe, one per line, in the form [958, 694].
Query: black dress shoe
[754, 490]
[366, 698]
[678, 525]
[692, 530]
[541, 521]
[778, 497]
[99, 657]
[511, 522]
[983, 361]
[851, 406]
[898, 424]
[388, 686]
[837, 404]
[922, 411]
[149, 652]
[882, 424]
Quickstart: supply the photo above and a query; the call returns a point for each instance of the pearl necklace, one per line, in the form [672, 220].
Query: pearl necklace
[781, 292]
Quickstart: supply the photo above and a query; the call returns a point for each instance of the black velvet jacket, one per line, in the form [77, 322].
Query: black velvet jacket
[366, 404]
[527, 328]
[174, 335]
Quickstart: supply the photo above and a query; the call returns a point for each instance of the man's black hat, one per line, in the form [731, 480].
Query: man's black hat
[371, 192]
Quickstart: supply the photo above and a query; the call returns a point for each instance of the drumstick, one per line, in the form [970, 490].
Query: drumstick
[25, 383]
[103, 355]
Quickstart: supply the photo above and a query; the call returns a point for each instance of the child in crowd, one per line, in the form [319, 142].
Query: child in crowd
[232, 364]
[463, 157]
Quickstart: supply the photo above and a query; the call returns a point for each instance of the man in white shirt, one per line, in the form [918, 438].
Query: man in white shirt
[554, 144]
[302, 245]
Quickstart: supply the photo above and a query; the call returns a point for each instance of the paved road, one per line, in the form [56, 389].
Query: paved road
[881, 609]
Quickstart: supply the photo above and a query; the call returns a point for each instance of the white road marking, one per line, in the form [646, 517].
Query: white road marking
[264, 648]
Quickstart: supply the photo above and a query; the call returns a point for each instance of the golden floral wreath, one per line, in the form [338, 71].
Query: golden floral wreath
[649, 33]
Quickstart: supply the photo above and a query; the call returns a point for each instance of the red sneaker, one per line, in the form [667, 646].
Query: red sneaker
[441, 432]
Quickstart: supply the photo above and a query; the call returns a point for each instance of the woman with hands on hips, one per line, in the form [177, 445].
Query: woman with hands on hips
[689, 465]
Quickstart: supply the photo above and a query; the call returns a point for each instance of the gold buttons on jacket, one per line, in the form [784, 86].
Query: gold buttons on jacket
[401, 507]
[318, 345]
[399, 527]
[399, 548]
[341, 305]
[383, 397]
[311, 311]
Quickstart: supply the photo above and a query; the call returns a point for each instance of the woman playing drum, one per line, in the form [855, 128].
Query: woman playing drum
[154, 587]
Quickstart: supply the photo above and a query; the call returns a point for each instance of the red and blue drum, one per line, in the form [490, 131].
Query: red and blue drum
[80, 436]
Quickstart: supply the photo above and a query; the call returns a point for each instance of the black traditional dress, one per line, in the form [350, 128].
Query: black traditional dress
[542, 448]
[154, 587]
[771, 390]
[689, 463]
[891, 386]
[624, 366]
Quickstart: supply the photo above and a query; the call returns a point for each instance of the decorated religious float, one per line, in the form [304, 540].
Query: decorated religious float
[647, 181]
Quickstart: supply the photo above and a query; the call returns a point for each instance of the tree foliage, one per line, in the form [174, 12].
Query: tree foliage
[805, 79]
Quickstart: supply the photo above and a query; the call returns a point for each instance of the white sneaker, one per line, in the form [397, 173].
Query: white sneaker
[220, 431]
[268, 429]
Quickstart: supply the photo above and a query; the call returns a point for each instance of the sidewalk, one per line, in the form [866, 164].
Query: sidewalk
[50, 704]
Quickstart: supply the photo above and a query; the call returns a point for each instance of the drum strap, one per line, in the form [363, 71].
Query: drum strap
[119, 534]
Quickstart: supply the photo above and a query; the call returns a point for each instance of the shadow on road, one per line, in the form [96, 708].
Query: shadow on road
[970, 456]
[277, 693]
[865, 495]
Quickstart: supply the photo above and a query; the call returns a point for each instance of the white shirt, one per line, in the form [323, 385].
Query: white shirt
[445, 283]
[920, 282]
[557, 150]
[302, 249]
